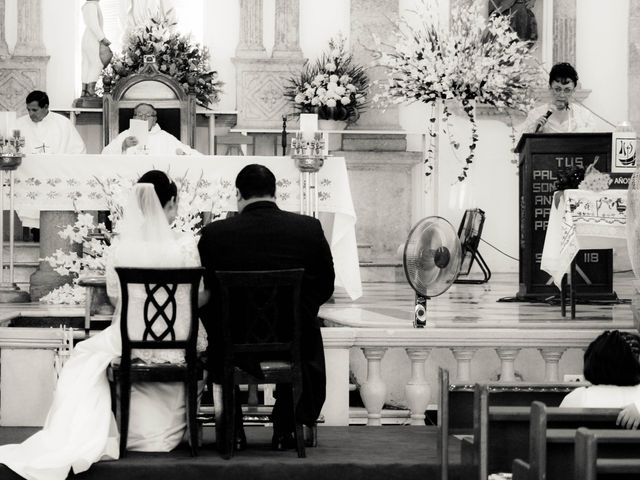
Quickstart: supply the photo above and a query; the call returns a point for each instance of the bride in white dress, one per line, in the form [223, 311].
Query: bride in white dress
[80, 428]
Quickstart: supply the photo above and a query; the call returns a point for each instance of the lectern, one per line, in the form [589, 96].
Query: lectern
[541, 156]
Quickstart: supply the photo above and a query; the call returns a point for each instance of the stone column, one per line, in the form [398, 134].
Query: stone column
[507, 358]
[564, 31]
[44, 279]
[634, 64]
[250, 44]
[417, 390]
[287, 31]
[373, 16]
[463, 356]
[4, 50]
[552, 358]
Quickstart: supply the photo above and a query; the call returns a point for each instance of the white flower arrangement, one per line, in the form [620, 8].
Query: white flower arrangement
[94, 240]
[332, 86]
[475, 59]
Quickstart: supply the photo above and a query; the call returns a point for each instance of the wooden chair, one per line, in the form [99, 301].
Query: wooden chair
[591, 464]
[159, 313]
[260, 320]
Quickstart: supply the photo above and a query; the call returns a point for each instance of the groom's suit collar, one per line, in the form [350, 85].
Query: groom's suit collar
[266, 204]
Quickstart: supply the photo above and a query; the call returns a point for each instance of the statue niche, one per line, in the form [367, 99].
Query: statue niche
[176, 109]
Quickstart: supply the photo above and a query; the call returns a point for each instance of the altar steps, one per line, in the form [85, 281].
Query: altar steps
[26, 261]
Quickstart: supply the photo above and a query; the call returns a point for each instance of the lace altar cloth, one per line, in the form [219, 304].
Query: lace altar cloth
[579, 220]
[79, 182]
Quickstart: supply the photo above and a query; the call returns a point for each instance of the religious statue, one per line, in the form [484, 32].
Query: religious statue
[142, 11]
[96, 53]
[523, 21]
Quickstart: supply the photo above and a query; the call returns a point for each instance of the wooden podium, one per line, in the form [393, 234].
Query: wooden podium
[541, 156]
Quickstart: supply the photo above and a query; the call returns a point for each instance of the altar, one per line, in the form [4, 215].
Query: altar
[91, 182]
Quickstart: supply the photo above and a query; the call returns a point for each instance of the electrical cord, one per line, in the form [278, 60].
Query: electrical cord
[496, 248]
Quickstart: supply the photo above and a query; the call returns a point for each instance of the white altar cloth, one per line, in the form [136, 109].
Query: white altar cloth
[78, 182]
[582, 220]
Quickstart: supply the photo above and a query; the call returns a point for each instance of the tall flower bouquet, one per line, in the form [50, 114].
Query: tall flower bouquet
[176, 55]
[333, 86]
[94, 240]
[475, 59]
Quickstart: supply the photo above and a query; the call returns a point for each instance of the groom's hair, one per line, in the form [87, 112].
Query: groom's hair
[165, 188]
[256, 181]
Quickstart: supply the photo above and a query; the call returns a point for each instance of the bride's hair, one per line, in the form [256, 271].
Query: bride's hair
[165, 188]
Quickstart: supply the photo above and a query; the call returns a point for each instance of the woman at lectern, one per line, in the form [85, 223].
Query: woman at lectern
[561, 115]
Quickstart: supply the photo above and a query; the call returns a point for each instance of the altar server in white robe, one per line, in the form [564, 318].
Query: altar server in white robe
[45, 132]
[158, 142]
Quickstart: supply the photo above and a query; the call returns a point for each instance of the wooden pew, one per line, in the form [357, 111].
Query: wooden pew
[456, 407]
[551, 440]
[593, 460]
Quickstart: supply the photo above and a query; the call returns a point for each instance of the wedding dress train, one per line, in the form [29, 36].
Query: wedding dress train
[80, 428]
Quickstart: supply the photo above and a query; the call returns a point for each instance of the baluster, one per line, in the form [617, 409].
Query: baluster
[463, 356]
[507, 357]
[374, 391]
[552, 358]
[417, 390]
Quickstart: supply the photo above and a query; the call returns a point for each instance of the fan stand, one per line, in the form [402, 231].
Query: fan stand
[420, 312]
[484, 268]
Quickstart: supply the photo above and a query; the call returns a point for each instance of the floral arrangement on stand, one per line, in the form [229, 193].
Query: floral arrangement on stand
[333, 86]
[472, 60]
[176, 55]
[94, 240]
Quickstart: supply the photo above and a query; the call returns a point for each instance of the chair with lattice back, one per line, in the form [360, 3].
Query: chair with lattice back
[152, 325]
[260, 320]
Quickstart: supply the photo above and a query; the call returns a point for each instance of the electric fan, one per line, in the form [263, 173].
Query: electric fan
[431, 260]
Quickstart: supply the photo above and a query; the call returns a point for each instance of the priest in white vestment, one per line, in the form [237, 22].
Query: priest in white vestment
[45, 132]
[157, 142]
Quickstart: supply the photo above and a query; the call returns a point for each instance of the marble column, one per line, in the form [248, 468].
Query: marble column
[250, 44]
[287, 31]
[45, 279]
[373, 16]
[634, 64]
[564, 31]
[4, 50]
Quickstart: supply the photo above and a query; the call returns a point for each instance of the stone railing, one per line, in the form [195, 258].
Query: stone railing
[418, 344]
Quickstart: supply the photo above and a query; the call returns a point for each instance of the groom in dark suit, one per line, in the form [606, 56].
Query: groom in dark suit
[263, 237]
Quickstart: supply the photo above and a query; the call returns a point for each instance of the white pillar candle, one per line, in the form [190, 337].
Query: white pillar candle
[308, 125]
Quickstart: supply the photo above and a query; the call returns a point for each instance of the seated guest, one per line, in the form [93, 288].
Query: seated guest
[159, 142]
[611, 364]
[263, 237]
[562, 114]
[45, 131]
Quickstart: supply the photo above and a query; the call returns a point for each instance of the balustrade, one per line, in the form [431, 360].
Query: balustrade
[418, 344]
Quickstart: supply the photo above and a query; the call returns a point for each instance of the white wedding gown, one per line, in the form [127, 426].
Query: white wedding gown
[80, 428]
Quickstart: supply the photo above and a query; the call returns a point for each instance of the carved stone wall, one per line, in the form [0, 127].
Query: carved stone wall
[564, 31]
[260, 80]
[26, 69]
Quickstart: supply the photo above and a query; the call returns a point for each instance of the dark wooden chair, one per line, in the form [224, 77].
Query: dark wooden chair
[159, 314]
[591, 463]
[260, 320]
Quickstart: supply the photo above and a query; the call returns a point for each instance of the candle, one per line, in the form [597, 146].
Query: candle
[7, 123]
[308, 125]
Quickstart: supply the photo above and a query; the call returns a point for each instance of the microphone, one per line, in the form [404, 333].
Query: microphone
[546, 116]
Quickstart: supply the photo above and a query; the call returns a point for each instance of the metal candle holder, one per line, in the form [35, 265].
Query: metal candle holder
[309, 157]
[10, 160]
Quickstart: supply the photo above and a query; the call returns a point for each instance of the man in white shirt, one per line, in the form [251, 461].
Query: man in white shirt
[158, 141]
[45, 131]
